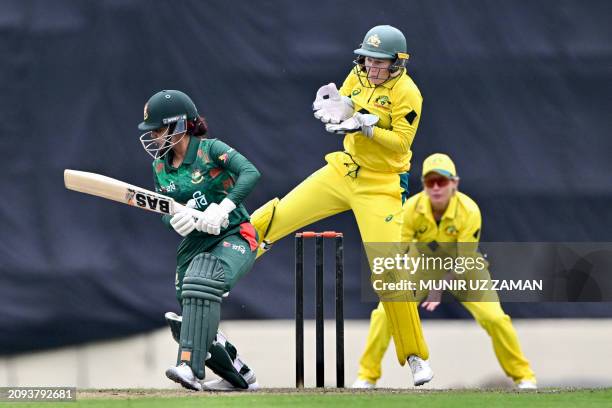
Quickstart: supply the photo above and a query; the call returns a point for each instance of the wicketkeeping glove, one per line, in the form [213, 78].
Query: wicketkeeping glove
[331, 107]
[359, 121]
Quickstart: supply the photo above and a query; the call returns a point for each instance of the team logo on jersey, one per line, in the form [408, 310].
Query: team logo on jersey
[382, 101]
[356, 91]
[421, 231]
[197, 177]
[451, 230]
[373, 40]
[146, 111]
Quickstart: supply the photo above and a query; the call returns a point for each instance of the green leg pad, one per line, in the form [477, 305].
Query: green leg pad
[203, 287]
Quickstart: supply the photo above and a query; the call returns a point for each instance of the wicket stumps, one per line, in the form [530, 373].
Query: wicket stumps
[299, 307]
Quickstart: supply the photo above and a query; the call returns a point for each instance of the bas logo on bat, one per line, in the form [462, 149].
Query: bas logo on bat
[148, 201]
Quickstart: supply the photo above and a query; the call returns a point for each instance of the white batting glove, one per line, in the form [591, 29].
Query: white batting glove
[215, 217]
[183, 223]
[359, 121]
[330, 106]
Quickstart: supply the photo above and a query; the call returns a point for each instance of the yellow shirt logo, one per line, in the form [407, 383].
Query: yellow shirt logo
[373, 40]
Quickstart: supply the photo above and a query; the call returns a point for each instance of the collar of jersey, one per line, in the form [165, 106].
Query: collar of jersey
[190, 155]
[391, 83]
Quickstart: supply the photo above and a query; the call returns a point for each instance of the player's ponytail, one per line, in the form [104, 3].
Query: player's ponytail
[197, 127]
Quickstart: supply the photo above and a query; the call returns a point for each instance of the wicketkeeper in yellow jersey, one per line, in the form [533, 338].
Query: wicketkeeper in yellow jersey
[442, 214]
[377, 111]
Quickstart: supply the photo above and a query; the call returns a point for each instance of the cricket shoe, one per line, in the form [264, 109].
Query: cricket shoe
[421, 371]
[223, 385]
[183, 374]
[363, 384]
[526, 385]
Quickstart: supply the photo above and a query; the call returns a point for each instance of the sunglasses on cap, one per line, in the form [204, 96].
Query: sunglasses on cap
[430, 182]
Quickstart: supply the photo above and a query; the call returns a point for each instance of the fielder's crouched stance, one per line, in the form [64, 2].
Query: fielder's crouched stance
[378, 109]
[441, 214]
[219, 244]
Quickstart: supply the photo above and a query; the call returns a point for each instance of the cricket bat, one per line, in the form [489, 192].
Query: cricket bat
[112, 189]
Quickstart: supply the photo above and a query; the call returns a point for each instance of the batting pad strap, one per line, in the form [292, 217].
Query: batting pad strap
[205, 282]
[199, 294]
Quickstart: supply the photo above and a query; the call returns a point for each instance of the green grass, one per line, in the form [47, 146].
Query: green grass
[329, 398]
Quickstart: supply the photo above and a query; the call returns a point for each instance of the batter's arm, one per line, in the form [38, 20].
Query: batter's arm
[247, 174]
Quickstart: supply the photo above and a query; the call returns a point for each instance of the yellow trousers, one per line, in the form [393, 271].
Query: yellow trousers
[375, 199]
[488, 314]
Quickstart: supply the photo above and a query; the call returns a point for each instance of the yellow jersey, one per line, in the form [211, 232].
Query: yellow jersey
[461, 222]
[397, 103]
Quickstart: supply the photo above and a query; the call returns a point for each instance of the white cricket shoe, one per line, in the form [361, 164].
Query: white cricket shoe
[421, 371]
[527, 385]
[183, 374]
[223, 385]
[363, 384]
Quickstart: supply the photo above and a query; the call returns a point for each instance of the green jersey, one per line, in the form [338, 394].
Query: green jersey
[210, 172]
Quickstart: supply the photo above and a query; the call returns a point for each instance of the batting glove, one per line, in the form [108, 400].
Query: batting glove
[359, 121]
[215, 217]
[183, 223]
[331, 107]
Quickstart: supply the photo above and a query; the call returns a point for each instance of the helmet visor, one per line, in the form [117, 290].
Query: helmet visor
[371, 75]
[157, 143]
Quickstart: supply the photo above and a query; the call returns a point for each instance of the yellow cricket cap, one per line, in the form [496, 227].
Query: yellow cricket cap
[441, 164]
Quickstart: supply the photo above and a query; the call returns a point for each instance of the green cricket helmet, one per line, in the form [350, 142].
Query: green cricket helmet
[381, 42]
[165, 107]
[169, 111]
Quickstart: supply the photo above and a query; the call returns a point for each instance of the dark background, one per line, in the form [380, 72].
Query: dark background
[517, 92]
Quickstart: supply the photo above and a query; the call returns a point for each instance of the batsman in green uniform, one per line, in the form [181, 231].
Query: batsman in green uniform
[219, 245]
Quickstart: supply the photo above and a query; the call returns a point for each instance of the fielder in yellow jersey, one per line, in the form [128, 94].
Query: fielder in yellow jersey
[377, 109]
[442, 214]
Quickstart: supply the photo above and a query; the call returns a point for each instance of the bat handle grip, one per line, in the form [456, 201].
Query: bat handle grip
[180, 207]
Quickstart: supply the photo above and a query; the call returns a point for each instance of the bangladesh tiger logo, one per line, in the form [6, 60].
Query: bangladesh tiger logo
[197, 177]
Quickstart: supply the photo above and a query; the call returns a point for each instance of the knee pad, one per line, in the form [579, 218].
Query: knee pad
[203, 288]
